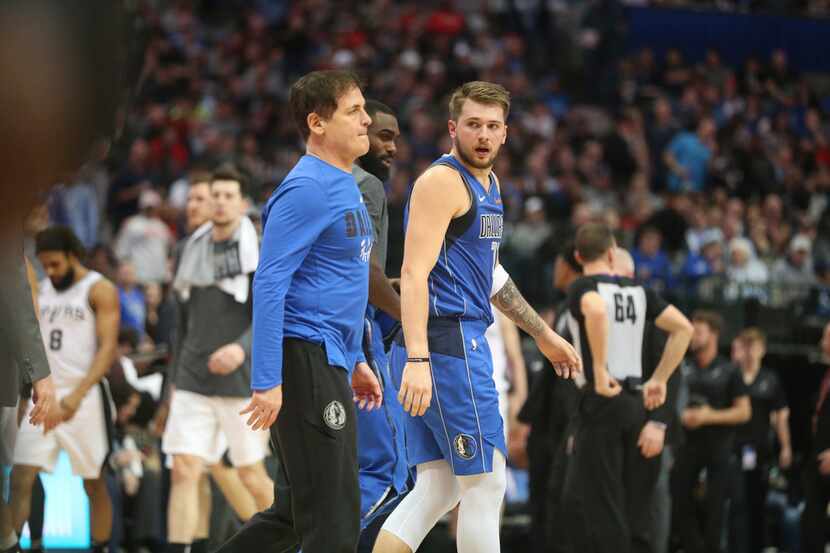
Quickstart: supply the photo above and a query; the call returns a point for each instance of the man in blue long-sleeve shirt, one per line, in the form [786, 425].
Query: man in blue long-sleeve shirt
[310, 296]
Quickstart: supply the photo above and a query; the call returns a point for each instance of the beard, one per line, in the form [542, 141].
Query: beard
[470, 159]
[65, 281]
[372, 164]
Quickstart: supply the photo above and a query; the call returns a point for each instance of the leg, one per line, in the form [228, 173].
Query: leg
[257, 483]
[684, 481]
[814, 518]
[717, 482]
[205, 503]
[660, 512]
[22, 480]
[183, 506]
[436, 491]
[8, 535]
[235, 492]
[640, 489]
[478, 515]
[37, 514]
[100, 509]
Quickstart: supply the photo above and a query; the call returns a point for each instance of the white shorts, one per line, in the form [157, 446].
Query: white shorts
[207, 426]
[84, 438]
[8, 435]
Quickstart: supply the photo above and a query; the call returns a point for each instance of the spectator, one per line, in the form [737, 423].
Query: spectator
[746, 274]
[687, 157]
[709, 262]
[131, 297]
[794, 273]
[160, 318]
[76, 206]
[146, 241]
[653, 267]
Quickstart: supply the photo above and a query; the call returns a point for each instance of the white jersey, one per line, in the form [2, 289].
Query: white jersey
[67, 324]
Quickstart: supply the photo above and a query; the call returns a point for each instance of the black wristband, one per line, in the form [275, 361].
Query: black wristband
[417, 360]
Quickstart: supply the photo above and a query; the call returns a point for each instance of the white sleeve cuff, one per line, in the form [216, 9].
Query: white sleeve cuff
[500, 278]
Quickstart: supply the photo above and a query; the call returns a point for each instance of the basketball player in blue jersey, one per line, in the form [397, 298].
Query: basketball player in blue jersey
[442, 363]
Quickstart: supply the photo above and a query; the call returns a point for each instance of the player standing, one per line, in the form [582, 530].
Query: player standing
[79, 318]
[450, 275]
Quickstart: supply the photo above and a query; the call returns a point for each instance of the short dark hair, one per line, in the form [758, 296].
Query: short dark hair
[374, 106]
[593, 240]
[318, 92]
[199, 177]
[59, 239]
[753, 334]
[711, 319]
[568, 255]
[229, 172]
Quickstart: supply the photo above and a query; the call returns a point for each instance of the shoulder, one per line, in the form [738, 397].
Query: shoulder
[103, 292]
[366, 181]
[581, 286]
[438, 175]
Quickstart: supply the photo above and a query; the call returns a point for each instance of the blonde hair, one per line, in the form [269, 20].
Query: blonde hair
[481, 92]
[753, 334]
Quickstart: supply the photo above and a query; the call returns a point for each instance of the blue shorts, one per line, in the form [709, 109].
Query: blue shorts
[462, 424]
[381, 450]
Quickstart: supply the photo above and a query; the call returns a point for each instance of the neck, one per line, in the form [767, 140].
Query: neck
[706, 355]
[329, 155]
[224, 232]
[481, 175]
[599, 267]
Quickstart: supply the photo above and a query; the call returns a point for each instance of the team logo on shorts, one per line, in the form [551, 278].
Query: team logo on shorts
[334, 415]
[465, 446]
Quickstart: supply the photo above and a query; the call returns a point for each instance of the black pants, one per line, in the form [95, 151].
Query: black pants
[814, 522]
[317, 498]
[694, 456]
[610, 485]
[748, 507]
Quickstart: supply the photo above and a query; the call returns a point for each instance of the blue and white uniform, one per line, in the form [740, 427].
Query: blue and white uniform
[462, 424]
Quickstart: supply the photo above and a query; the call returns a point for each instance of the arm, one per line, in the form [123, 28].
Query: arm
[230, 357]
[561, 354]
[103, 299]
[679, 329]
[381, 293]
[596, 328]
[438, 197]
[781, 421]
[739, 413]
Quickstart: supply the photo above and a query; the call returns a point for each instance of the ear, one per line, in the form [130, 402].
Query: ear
[504, 138]
[578, 258]
[316, 124]
[452, 126]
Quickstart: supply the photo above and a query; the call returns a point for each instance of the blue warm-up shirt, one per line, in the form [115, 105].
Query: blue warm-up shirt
[312, 282]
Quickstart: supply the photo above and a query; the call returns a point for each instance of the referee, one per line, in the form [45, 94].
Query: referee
[610, 475]
[310, 296]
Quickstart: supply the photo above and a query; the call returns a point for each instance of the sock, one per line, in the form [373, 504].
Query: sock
[36, 544]
[9, 541]
[199, 546]
[179, 548]
[100, 547]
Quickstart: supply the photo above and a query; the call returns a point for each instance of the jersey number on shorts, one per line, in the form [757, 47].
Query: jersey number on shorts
[624, 308]
[56, 339]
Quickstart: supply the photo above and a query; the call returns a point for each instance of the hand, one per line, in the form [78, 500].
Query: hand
[654, 393]
[69, 405]
[367, 392]
[785, 458]
[652, 438]
[46, 409]
[159, 422]
[695, 417]
[226, 359]
[131, 483]
[517, 445]
[264, 408]
[564, 358]
[824, 462]
[607, 387]
[416, 388]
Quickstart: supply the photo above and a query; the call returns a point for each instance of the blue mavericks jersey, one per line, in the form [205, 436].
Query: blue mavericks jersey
[460, 282]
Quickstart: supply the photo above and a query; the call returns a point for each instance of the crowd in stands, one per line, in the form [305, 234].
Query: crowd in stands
[716, 176]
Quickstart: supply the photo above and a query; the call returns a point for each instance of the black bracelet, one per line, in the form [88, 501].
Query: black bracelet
[417, 360]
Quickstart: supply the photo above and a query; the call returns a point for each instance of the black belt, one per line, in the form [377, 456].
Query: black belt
[632, 384]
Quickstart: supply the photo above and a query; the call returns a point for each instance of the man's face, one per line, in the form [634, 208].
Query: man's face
[756, 350]
[228, 204]
[479, 133]
[126, 275]
[702, 336]
[347, 130]
[59, 267]
[383, 132]
[199, 208]
[738, 351]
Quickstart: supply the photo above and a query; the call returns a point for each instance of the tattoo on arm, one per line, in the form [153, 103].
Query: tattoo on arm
[509, 301]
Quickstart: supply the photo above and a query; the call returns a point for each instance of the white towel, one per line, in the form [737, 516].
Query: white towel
[196, 267]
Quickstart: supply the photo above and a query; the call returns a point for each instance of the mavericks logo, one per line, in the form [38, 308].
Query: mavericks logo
[334, 415]
[465, 446]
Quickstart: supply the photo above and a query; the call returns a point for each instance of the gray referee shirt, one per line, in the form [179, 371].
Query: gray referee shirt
[374, 196]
